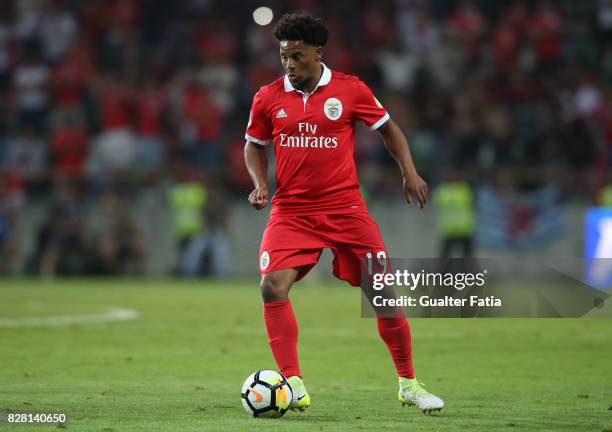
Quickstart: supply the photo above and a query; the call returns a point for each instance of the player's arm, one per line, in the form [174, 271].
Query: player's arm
[256, 160]
[397, 145]
[258, 136]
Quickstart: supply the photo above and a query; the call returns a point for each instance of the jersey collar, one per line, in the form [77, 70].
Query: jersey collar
[325, 78]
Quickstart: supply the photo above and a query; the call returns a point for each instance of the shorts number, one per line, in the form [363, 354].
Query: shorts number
[381, 257]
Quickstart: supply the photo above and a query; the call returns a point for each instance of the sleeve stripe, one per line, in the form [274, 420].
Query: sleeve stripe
[380, 122]
[255, 140]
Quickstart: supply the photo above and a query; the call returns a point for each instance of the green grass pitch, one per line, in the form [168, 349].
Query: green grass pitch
[180, 364]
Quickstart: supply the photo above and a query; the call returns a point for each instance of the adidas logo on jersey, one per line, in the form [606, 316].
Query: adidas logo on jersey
[281, 113]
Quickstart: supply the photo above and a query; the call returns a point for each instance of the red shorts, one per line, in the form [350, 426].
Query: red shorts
[298, 241]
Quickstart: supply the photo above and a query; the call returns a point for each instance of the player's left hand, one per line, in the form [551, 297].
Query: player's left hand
[415, 185]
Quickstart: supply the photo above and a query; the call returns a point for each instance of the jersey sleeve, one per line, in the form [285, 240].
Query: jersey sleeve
[259, 129]
[368, 109]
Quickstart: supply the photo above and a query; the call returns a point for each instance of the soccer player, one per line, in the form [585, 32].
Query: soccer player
[309, 115]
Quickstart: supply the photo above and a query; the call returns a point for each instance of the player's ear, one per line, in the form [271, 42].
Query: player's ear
[318, 53]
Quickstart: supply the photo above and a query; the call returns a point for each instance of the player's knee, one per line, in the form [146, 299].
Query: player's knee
[273, 289]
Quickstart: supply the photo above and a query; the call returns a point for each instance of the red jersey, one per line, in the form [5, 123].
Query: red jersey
[314, 140]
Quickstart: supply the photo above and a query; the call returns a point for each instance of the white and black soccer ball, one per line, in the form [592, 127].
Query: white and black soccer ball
[266, 393]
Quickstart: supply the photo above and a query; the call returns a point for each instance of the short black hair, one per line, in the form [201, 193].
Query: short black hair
[301, 27]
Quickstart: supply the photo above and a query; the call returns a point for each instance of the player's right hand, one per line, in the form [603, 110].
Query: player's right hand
[259, 197]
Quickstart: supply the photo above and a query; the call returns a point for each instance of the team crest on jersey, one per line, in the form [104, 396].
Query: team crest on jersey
[332, 108]
[264, 260]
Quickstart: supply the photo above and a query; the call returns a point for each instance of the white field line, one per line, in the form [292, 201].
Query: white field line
[111, 314]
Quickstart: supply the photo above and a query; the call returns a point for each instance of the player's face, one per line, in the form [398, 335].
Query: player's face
[300, 61]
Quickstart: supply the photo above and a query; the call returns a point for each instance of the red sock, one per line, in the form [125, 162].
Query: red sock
[282, 335]
[396, 334]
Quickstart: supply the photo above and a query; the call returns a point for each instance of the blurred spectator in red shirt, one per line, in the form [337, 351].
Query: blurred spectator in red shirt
[375, 21]
[506, 45]
[265, 71]
[469, 25]
[200, 125]
[114, 150]
[216, 42]
[150, 108]
[238, 176]
[70, 77]
[113, 97]
[546, 24]
[69, 142]
[339, 57]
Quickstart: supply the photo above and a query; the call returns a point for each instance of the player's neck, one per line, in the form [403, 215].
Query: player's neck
[310, 85]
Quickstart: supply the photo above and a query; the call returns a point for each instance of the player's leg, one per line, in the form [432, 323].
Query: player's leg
[290, 247]
[275, 286]
[280, 321]
[361, 240]
[395, 332]
[282, 329]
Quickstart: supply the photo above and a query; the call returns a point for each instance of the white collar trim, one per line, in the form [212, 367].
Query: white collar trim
[325, 79]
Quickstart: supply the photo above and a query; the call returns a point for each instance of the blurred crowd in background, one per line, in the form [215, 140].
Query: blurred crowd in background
[102, 99]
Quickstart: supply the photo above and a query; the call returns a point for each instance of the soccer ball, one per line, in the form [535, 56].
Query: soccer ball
[266, 393]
